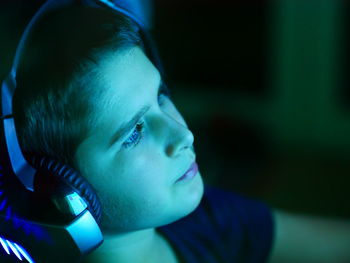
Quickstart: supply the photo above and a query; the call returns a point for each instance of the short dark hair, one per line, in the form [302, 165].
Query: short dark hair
[53, 107]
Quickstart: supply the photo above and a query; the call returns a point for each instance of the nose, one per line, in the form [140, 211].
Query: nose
[179, 139]
[171, 130]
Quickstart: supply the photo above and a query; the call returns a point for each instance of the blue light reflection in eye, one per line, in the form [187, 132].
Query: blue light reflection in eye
[16, 249]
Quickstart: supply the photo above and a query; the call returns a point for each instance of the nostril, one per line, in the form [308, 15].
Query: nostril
[179, 142]
[169, 150]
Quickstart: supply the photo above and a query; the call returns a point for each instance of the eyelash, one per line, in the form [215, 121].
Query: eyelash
[137, 133]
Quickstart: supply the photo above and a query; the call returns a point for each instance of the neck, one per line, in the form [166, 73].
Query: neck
[137, 246]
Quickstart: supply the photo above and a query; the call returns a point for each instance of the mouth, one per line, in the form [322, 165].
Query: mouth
[190, 173]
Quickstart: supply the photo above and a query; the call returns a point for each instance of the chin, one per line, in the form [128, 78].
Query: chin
[197, 191]
[190, 195]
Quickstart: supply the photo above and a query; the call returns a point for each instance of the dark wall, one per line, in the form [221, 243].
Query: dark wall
[213, 43]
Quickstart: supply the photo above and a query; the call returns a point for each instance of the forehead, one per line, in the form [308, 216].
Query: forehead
[124, 73]
[127, 81]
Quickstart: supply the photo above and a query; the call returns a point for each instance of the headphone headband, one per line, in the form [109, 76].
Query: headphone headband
[21, 168]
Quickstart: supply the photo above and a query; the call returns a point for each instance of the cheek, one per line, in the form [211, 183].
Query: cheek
[132, 210]
[136, 196]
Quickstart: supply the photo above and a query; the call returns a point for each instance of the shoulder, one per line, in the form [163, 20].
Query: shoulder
[223, 206]
[242, 226]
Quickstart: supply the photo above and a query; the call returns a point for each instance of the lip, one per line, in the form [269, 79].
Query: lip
[190, 173]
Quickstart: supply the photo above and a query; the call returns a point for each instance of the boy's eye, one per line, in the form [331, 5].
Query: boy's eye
[137, 133]
[135, 137]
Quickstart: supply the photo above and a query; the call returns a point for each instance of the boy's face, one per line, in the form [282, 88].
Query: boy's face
[136, 175]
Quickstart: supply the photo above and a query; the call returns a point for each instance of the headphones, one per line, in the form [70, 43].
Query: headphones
[71, 231]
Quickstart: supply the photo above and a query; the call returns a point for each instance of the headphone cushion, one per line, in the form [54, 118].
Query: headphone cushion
[53, 175]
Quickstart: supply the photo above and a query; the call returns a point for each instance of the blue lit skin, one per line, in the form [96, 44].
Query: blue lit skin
[136, 181]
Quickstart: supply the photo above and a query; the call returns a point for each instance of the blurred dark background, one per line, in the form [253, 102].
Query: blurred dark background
[263, 85]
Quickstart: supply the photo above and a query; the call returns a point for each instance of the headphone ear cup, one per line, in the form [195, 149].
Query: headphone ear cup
[54, 178]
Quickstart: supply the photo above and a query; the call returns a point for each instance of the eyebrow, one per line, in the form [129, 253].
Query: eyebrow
[127, 126]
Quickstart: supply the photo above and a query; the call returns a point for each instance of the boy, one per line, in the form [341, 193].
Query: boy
[89, 96]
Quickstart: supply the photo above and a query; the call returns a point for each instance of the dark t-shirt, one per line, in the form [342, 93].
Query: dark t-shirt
[225, 227]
